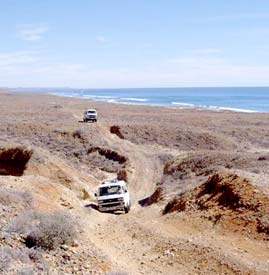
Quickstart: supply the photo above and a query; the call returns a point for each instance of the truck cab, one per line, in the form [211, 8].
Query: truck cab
[90, 115]
[113, 196]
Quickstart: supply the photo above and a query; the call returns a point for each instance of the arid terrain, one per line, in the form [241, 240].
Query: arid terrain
[198, 180]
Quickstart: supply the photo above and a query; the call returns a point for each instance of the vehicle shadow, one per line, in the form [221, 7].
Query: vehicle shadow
[82, 121]
[92, 205]
[144, 202]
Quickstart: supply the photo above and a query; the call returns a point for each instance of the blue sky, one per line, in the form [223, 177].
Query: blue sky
[138, 43]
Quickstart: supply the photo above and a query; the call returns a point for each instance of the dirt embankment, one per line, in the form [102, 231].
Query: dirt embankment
[190, 169]
[228, 200]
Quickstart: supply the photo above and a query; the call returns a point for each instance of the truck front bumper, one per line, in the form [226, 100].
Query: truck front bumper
[112, 207]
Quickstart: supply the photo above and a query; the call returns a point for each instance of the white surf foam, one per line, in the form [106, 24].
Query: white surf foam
[134, 99]
[183, 104]
[232, 109]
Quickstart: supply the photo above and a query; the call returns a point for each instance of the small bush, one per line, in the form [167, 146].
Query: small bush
[20, 261]
[25, 222]
[9, 255]
[52, 231]
[26, 271]
[11, 197]
[85, 194]
[5, 260]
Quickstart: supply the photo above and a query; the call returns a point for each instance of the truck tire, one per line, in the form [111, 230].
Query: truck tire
[127, 209]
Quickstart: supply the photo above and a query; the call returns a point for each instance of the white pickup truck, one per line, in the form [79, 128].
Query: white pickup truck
[90, 115]
[112, 196]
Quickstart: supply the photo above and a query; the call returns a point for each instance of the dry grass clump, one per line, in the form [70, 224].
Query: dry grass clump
[45, 230]
[26, 271]
[5, 259]
[25, 222]
[10, 197]
[85, 195]
[20, 261]
[53, 230]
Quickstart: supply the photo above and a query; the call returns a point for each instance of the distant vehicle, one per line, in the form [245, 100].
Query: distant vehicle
[90, 115]
[112, 196]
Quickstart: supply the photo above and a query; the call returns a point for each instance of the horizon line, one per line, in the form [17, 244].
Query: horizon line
[121, 88]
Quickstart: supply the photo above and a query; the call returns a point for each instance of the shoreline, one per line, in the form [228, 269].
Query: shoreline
[174, 105]
[243, 100]
[142, 103]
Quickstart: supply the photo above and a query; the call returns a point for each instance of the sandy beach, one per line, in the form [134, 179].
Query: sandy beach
[198, 181]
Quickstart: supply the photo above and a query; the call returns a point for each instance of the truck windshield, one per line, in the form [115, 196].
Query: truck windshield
[110, 190]
[91, 112]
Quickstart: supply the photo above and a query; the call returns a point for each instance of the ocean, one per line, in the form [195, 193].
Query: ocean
[245, 99]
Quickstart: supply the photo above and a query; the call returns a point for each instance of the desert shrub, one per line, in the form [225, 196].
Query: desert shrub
[10, 197]
[53, 230]
[13, 258]
[26, 221]
[5, 260]
[85, 194]
[26, 271]
[9, 255]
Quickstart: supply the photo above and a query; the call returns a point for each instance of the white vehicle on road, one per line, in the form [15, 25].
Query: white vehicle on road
[112, 196]
[90, 115]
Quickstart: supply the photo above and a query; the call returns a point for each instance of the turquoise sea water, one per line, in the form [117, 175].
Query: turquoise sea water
[237, 99]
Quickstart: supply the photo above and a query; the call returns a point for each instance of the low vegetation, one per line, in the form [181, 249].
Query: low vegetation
[52, 230]
[10, 197]
[45, 230]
